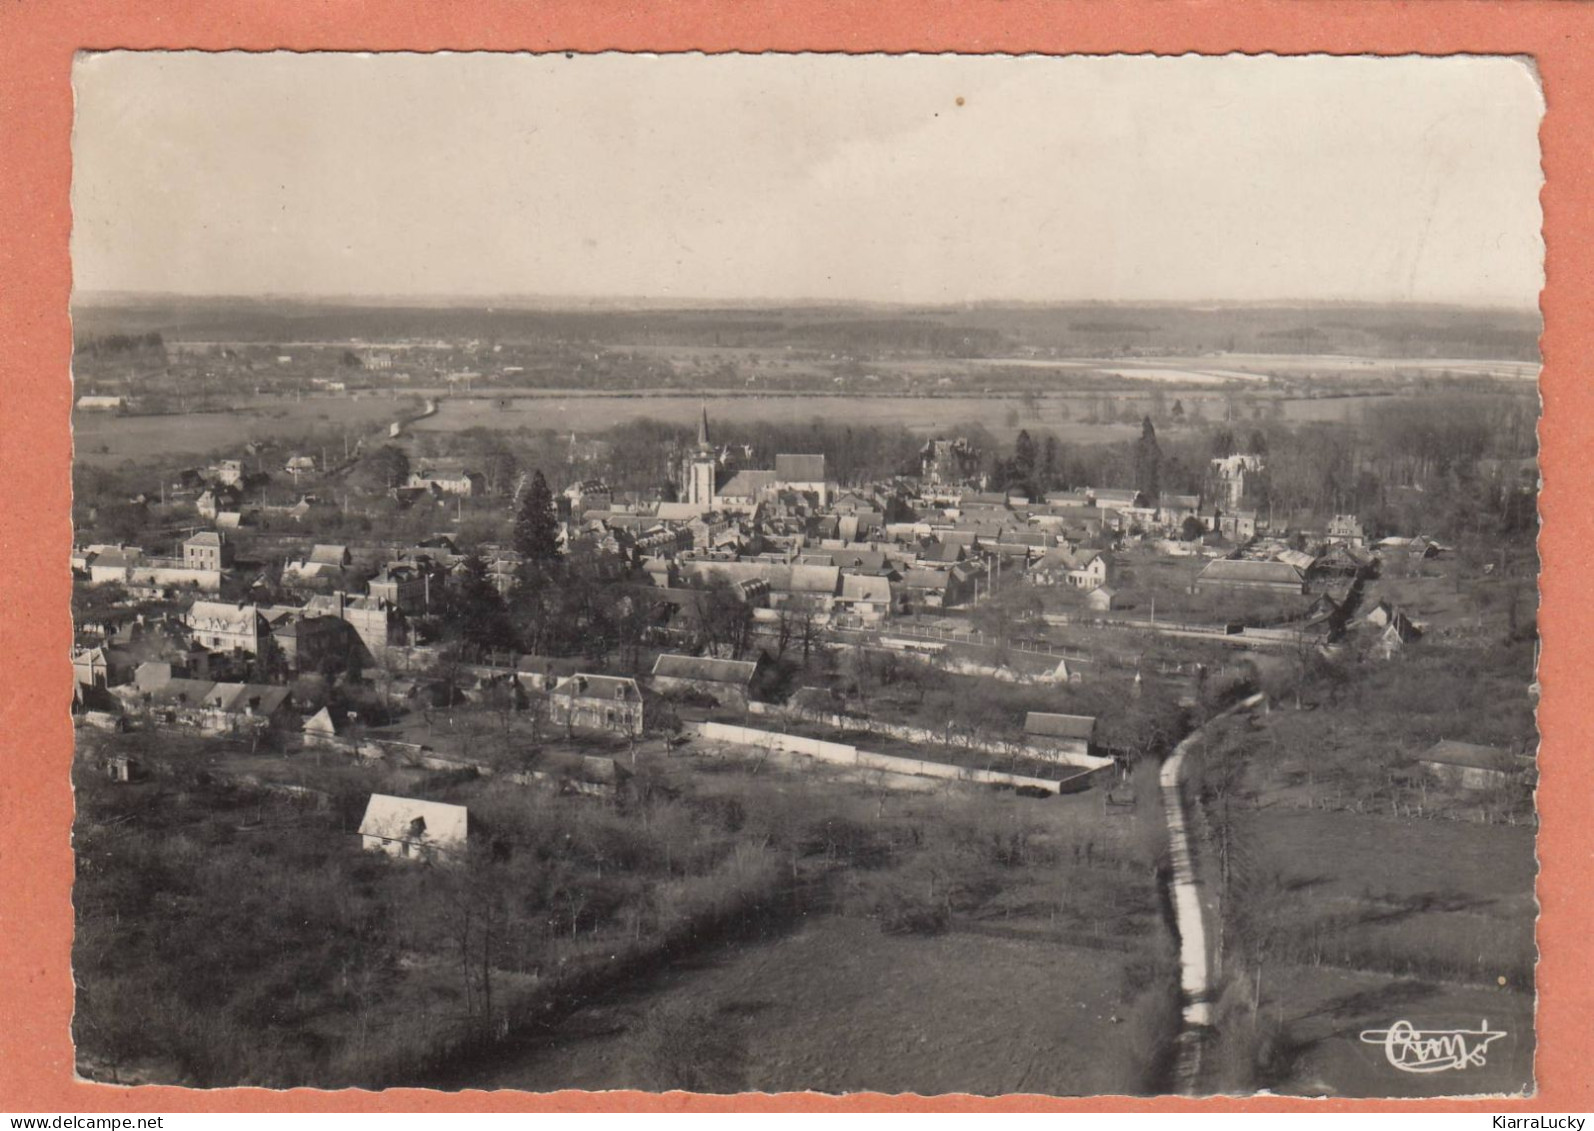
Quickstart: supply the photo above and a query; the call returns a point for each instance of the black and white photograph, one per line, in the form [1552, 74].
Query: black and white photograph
[1000, 574]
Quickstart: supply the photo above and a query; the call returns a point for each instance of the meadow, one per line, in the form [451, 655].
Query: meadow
[1049, 974]
[721, 923]
[931, 416]
[1388, 919]
[103, 439]
[839, 1006]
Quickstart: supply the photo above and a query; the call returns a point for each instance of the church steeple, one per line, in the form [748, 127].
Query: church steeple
[700, 472]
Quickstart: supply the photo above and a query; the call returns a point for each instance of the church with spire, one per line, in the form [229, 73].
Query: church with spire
[700, 469]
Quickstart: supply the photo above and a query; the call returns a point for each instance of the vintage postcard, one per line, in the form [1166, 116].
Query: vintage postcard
[1005, 574]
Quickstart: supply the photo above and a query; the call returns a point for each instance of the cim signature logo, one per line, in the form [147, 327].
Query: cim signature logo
[1433, 1050]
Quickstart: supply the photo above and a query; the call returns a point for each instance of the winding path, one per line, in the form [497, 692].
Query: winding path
[1184, 889]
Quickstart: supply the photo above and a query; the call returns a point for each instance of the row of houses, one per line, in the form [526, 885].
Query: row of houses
[201, 565]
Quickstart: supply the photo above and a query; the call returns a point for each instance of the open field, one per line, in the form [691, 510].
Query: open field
[103, 438]
[108, 439]
[1435, 878]
[929, 415]
[1075, 329]
[793, 912]
[1042, 983]
[1387, 919]
[1003, 416]
[838, 1006]
[1330, 1008]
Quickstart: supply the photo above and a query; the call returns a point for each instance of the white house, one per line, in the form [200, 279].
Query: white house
[411, 829]
[1076, 569]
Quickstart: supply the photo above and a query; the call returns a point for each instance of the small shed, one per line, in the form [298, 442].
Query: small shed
[326, 727]
[1466, 765]
[1102, 599]
[123, 769]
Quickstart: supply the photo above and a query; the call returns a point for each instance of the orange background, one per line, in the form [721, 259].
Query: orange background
[36, 45]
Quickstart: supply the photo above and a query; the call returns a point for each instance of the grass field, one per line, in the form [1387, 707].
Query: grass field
[928, 415]
[837, 1006]
[1388, 919]
[1003, 416]
[1331, 1008]
[1047, 980]
[106, 439]
[102, 439]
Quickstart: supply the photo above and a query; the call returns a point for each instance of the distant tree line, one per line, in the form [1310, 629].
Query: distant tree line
[117, 345]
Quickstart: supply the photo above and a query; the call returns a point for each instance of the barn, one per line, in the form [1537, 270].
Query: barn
[728, 682]
[1236, 573]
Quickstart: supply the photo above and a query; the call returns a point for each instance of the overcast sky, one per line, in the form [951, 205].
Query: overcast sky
[914, 179]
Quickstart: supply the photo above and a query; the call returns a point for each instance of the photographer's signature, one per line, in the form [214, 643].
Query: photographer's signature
[1433, 1050]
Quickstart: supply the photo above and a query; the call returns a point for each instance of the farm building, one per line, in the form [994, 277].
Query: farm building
[1102, 599]
[728, 682]
[1466, 765]
[411, 829]
[601, 702]
[1065, 734]
[1235, 573]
